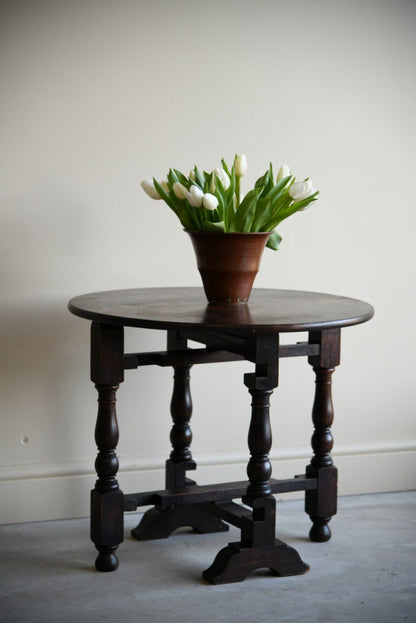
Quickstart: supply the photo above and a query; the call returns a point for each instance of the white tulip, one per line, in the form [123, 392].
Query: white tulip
[195, 196]
[223, 177]
[192, 175]
[301, 190]
[240, 165]
[180, 191]
[165, 186]
[210, 202]
[283, 172]
[149, 188]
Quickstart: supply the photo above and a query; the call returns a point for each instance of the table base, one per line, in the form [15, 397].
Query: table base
[235, 562]
[210, 508]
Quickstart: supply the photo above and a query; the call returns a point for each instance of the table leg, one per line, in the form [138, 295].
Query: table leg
[159, 523]
[106, 497]
[321, 503]
[258, 547]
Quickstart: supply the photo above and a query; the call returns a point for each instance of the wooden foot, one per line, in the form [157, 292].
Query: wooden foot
[234, 562]
[106, 559]
[158, 523]
[320, 531]
[107, 528]
[321, 503]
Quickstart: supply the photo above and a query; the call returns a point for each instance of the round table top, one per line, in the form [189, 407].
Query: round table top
[180, 308]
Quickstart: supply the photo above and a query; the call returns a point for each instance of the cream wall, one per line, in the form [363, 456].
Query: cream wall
[97, 95]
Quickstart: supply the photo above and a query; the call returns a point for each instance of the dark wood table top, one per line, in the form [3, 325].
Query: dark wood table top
[268, 310]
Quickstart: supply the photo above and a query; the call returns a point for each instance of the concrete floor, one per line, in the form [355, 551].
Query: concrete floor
[366, 573]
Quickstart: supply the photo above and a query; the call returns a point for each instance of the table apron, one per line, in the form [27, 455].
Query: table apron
[192, 356]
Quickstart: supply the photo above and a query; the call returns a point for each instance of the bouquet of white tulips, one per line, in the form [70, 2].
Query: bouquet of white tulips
[212, 201]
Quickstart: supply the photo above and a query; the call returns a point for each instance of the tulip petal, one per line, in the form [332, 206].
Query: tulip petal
[223, 177]
[240, 165]
[301, 190]
[180, 191]
[283, 172]
[149, 188]
[195, 196]
[210, 202]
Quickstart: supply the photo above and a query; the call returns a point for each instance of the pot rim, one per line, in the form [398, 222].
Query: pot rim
[228, 233]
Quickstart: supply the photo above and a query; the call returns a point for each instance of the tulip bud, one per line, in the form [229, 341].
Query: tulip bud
[180, 191]
[165, 186]
[195, 196]
[192, 175]
[210, 202]
[283, 172]
[223, 177]
[149, 188]
[301, 190]
[240, 165]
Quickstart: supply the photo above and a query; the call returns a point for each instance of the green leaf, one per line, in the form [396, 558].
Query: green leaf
[224, 166]
[199, 178]
[182, 178]
[230, 201]
[218, 226]
[274, 241]
[184, 212]
[277, 211]
[270, 205]
[305, 202]
[278, 188]
[262, 214]
[222, 206]
[208, 182]
[166, 196]
[172, 178]
[295, 207]
[242, 219]
[263, 180]
[269, 182]
[271, 172]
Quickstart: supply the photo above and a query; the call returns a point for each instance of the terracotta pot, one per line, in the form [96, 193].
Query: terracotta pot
[228, 264]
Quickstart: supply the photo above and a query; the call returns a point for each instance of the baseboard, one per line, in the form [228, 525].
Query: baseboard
[60, 491]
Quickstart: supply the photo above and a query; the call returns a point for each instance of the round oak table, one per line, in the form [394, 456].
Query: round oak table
[226, 333]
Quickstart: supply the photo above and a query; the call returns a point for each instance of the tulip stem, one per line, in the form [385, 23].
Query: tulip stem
[237, 190]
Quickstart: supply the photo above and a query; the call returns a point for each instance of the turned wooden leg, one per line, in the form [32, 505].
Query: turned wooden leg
[258, 547]
[321, 503]
[180, 459]
[106, 497]
[160, 523]
[259, 468]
